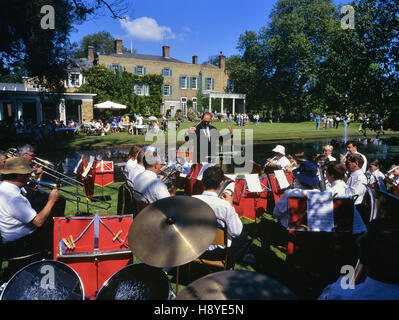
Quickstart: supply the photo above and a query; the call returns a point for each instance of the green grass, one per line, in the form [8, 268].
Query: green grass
[264, 131]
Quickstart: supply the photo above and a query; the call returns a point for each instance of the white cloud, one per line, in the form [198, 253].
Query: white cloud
[146, 29]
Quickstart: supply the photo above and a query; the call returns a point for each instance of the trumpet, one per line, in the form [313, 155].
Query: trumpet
[78, 196]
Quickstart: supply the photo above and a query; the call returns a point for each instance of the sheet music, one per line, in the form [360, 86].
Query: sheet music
[253, 183]
[88, 166]
[231, 176]
[281, 179]
[320, 211]
[204, 167]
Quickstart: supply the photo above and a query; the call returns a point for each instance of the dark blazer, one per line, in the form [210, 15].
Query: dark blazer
[206, 147]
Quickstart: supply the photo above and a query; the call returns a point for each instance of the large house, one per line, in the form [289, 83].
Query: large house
[182, 80]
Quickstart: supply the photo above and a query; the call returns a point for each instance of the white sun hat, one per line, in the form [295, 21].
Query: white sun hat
[279, 149]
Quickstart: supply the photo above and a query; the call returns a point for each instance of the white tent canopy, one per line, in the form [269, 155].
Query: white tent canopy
[109, 105]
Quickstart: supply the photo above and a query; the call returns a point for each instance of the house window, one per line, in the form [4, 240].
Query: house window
[195, 104]
[142, 89]
[167, 89]
[184, 105]
[140, 70]
[209, 84]
[115, 68]
[183, 82]
[74, 80]
[167, 72]
[194, 83]
[230, 86]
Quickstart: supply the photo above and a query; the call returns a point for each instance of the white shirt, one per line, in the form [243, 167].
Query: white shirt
[376, 177]
[341, 190]
[283, 162]
[358, 181]
[16, 213]
[149, 184]
[130, 164]
[223, 210]
[133, 173]
[331, 158]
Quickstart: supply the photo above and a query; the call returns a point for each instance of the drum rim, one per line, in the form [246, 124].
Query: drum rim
[106, 282]
[41, 261]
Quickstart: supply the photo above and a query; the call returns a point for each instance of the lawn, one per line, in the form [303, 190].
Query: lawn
[263, 131]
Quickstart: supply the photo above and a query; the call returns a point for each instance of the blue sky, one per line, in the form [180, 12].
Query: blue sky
[201, 27]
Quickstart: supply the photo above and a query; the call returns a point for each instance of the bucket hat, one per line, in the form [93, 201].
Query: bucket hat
[16, 165]
[279, 149]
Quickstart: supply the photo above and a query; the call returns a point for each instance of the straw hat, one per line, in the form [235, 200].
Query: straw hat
[16, 166]
[279, 149]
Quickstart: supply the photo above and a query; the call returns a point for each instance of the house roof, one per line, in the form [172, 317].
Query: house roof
[144, 57]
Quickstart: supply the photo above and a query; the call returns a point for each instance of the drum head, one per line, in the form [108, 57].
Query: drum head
[136, 282]
[44, 280]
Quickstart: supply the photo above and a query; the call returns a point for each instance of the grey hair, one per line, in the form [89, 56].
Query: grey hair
[25, 149]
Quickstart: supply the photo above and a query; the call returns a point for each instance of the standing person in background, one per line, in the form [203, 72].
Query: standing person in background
[317, 119]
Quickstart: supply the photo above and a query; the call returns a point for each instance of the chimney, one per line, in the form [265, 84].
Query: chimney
[90, 53]
[118, 46]
[195, 59]
[222, 61]
[165, 52]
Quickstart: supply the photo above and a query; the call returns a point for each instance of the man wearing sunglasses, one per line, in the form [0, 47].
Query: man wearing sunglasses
[205, 139]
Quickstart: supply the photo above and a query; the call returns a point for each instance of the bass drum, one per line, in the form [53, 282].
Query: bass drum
[44, 280]
[136, 281]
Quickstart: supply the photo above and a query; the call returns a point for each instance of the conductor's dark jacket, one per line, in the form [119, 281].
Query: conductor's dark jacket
[206, 147]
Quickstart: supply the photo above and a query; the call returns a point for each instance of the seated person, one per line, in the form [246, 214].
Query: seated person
[148, 183]
[377, 246]
[327, 151]
[21, 227]
[136, 170]
[279, 161]
[375, 175]
[132, 158]
[305, 178]
[393, 179]
[336, 173]
[223, 207]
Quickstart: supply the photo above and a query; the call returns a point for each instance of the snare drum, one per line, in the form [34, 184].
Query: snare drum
[44, 280]
[136, 281]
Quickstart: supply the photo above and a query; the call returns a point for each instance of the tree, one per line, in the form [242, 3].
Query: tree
[44, 50]
[103, 42]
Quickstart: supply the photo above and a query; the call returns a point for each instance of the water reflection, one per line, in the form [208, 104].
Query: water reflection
[383, 149]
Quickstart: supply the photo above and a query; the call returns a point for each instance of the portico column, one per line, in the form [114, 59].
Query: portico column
[20, 109]
[210, 103]
[221, 107]
[234, 106]
[61, 110]
[244, 106]
[1, 110]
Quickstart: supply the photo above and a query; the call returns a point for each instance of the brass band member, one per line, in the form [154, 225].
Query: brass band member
[28, 152]
[279, 161]
[327, 151]
[21, 227]
[393, 179]
[351, 148]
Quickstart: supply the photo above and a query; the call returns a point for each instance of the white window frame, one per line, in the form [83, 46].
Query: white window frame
[183, 104]
[194, 104]
[166, 88]
[140, 70]
[141, 89]
[79, 78]
[195, 82]
[185, 79]
[166, 72]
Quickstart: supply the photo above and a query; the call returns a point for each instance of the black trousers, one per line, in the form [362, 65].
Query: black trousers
[235, 251]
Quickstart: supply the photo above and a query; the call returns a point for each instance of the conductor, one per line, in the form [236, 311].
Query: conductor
[205, 139]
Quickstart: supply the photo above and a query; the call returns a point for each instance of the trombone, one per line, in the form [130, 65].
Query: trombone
[42, 184]
[48, 168]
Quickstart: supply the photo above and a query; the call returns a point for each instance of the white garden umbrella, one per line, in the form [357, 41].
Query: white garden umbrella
[109, 105]
[152, 118]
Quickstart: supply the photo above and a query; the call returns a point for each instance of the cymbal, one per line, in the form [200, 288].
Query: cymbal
[172, 231]
[236, 285]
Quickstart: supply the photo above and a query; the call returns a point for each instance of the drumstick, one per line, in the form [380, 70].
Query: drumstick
[72, 242]
[117, 235]
[66, 243]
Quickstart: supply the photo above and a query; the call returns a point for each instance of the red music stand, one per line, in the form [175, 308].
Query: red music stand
[250, 205]
[99, 247]
[276, 191]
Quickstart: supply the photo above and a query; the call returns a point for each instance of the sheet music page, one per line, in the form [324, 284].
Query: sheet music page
[253, 183]
[231, 176]
[320, 211]
[204, 167]
[281, 179]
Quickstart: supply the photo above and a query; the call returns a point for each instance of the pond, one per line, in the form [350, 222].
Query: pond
[386, 150]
